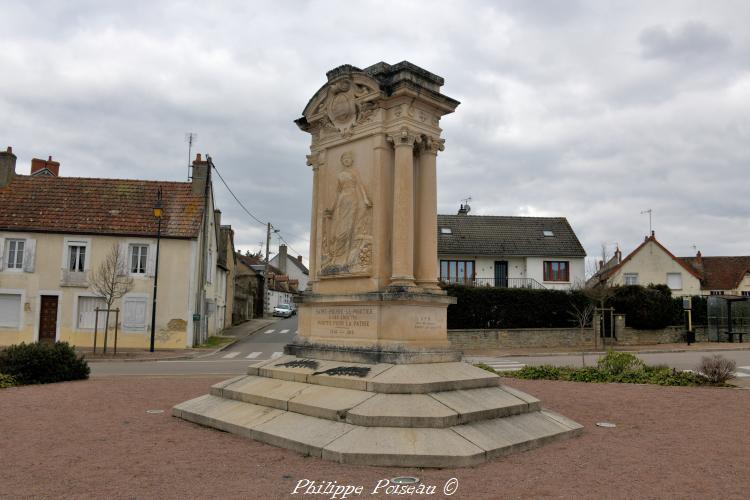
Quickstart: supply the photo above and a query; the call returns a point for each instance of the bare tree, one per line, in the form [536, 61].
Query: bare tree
[111, 281]
[583, 314]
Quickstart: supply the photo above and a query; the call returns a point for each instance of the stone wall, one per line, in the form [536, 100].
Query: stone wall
[563, 337]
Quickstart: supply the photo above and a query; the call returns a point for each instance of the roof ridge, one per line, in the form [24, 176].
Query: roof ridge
[185, 183]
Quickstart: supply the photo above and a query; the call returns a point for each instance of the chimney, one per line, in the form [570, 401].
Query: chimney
[38, 167]
[299, 259]
[200, 175]
[282, 259]
[618, 255]
[699, 258]
[7, 166]
[600, 265]
[217, 217]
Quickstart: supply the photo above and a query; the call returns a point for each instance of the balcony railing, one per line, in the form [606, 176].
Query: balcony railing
[530, 283]
[75, 278]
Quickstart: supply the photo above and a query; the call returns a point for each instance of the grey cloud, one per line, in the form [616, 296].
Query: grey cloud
[693, 40]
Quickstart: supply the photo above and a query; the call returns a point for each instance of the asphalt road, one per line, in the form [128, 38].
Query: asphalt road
[269, 342]
[265, 344]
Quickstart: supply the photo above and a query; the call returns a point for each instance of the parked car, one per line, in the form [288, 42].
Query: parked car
[284, 310]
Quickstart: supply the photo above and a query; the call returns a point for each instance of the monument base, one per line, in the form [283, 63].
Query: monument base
[404, 415]
[406, 326]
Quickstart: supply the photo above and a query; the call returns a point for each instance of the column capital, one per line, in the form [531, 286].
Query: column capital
[315, 160]
[432, 145]
[404, 137]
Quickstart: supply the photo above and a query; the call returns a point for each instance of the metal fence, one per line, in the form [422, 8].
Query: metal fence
[529, 283]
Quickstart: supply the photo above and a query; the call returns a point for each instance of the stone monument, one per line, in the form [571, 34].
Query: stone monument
[371, 378]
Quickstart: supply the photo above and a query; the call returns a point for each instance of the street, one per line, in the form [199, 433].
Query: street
[269, 343]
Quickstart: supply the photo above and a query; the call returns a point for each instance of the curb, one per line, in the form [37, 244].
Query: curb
[578, 353]
[182, 356]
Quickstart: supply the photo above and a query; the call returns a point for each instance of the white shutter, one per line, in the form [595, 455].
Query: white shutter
[10, 310]
[124, 268]
[2, 254]
[29, 255]
[674, 281]
[87, 313]
[134, 313]
[151, 260]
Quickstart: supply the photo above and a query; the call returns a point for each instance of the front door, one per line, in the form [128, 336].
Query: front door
[48, 318]
[501, 273]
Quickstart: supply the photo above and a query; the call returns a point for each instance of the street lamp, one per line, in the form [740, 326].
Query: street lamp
[158, 212]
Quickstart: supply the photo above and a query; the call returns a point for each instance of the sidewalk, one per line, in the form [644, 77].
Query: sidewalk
[235, 333]
[643, 349]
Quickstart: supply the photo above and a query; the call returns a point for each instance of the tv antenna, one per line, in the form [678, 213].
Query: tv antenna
[190, 138]
[649, 212]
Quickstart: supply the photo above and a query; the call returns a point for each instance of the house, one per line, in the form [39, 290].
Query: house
[652, 263]
[56, 231]
[292, 267]
[248, 290]
[722, 275]
[226, 263]
[275, 286]
[504, 251]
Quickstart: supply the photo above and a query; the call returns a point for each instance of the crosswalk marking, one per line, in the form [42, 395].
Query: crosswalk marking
[276, 355]
[253, 355]
[269, 331]
[505, 366]
[285, 331]
[231, 355]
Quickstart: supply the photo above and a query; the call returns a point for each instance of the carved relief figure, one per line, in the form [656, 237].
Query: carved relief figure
[347, 238]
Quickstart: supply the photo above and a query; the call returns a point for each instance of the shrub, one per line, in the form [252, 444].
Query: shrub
[42, 363]
[617, 363]
[717, 368]
[645, 308]
[6, 381]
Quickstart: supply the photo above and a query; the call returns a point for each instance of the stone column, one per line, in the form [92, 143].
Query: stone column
[402, 272]
[426, 265]
[314, 162]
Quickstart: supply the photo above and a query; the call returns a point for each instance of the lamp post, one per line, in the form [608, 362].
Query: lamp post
[158, 212]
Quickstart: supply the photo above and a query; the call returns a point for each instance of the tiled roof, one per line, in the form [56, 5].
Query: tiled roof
[299, 264]
[719, 273]
[98, 206]
[507, 236]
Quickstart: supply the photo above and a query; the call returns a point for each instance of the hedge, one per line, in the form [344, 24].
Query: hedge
[42, 363]
[645, 308]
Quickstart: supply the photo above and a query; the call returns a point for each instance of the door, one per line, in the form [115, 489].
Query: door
[48, 318]
[501, 273]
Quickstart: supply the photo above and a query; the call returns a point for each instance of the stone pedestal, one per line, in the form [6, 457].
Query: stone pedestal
[371, 378]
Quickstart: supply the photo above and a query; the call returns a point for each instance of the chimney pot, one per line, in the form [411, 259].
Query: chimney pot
[7, 166]
[9, 150]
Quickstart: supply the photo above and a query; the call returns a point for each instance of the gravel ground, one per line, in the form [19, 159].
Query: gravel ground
[94, 439]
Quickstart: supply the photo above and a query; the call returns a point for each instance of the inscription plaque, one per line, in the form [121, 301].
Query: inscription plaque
[345, 321]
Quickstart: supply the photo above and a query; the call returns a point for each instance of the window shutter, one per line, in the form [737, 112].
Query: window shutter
[29, 255]
[2, 254]
[151, 261]
[124, 264]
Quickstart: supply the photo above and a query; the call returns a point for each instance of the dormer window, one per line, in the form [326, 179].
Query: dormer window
[446, 230]
[548, 232]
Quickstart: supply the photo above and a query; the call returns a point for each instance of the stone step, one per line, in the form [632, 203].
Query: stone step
[382, 377]
[369, 409]
[456, 446]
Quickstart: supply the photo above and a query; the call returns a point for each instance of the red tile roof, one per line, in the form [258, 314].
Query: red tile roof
[98, 206]
[720, 273]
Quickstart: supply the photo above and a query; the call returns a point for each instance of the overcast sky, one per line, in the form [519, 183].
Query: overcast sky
[594, 110]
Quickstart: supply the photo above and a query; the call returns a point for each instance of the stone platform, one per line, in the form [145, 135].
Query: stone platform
[409, 415]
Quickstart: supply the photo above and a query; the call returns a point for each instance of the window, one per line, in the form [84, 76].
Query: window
[630, 278]
[556, 270]
[674, 281]
[548, 232]
[10, 310]
[717, 292]
[746, 293]
[457, 271]
[14, 251]
[446, 230]
[138, 259]
[134, 313]
[76, 258]
[87, 312]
